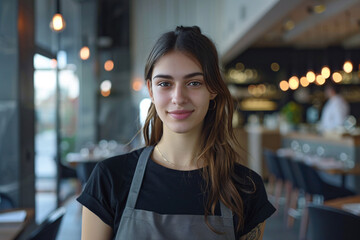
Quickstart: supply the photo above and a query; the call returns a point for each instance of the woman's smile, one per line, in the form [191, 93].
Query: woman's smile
[180, 114]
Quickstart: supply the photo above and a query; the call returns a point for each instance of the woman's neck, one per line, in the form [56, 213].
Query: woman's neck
[179, 151]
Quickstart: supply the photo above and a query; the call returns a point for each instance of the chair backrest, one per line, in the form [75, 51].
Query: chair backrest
[272, 162]
[314, 184]
[5, 202]
[285, 164]
[50, 227]
[300, 178]
[332, 224]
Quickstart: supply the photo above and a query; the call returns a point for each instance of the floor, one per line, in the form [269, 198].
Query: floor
[70, 228]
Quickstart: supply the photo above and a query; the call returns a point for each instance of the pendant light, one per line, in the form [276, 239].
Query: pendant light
[85, 50]
[57, 23]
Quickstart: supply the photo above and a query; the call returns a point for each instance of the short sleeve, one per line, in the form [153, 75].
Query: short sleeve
[97, 194]
[257, 206]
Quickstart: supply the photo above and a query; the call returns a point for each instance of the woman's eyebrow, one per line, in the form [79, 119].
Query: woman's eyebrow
[187, 76]
[193, 75]
[163, 76]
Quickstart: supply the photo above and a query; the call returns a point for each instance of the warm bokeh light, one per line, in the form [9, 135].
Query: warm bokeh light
[304, 81]
[320, 80]
[109, 65]
[348, 67]
[284, 85]
[275, 67]
[294, 82]
[336, 76]
[310, 75]
[105, 93]
[53, 63]
[137, 85]
[57, 23]
[252, 89]
[84, 53]
[289, 25]
[325, 72]
[105, 85]
[261, 88]
[319, 8]
[249, 73]
[240, 66]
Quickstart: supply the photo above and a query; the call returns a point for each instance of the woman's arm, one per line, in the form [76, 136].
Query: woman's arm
[93, 228]
[256, 233]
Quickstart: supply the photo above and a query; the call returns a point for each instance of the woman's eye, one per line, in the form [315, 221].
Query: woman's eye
[194, 84]
[164, 84]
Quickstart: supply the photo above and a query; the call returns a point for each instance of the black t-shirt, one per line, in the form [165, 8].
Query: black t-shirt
[166, 191]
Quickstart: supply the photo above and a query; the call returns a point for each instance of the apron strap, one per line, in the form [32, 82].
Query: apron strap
[138, 177]
[225, 211]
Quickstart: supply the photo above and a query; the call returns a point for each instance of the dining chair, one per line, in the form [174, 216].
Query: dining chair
[48, 229]
[332, 224]
[292, 190]
[5, 202]
[276, 176]
[314, 185]
[317, 186]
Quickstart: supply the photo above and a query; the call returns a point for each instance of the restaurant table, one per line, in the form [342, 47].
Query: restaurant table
[325, 164]
[351, 204]
[343, 172]
[10, 230]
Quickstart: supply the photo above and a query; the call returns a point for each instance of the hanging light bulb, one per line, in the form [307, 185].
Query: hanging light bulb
[109, 65]
[294, 82]
[84, 53]
[348, 67]
[304, 81]
[284, 85]
[325, 72]
[337, 77]
[320, 80]
[310, 75]
[57, 23]
[85, 50]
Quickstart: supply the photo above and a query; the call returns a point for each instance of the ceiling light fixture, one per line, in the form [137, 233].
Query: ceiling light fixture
[348, 66]
[57, 23]
[85, 50]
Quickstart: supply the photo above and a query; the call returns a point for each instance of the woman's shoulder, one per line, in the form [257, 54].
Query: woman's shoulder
[247, 179]
[243, 171]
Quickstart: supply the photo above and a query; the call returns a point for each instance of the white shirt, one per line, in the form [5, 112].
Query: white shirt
[334, 113]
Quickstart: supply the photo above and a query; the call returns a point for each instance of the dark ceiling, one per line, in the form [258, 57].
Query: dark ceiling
[113, 22]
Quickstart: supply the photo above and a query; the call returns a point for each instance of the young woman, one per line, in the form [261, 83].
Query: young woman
[187, 182]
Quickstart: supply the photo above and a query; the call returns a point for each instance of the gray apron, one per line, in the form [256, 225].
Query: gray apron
[137, 224]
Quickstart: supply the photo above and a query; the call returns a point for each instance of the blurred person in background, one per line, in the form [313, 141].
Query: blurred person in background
[335, 110]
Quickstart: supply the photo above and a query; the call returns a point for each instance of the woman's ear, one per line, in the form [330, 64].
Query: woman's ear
[148, 84]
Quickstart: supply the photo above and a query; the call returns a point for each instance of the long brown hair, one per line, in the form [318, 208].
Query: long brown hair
[218, 139]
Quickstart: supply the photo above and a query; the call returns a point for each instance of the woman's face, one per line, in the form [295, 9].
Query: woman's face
[178, 90]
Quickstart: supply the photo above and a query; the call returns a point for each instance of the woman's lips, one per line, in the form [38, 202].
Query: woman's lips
[180, 114]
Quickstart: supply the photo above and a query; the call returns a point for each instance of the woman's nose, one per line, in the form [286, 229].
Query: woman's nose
[179, 95]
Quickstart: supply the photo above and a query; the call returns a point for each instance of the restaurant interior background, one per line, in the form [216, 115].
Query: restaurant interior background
[82, 89]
